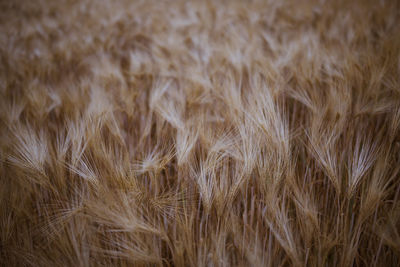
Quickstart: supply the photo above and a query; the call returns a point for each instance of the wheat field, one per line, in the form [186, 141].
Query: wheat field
[199, 133]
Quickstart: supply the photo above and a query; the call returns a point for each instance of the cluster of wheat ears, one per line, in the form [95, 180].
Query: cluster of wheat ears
[200, 133]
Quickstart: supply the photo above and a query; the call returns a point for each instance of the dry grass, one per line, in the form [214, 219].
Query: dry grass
[203, 133]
